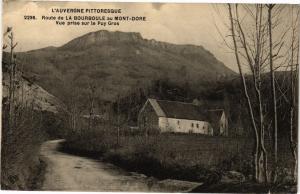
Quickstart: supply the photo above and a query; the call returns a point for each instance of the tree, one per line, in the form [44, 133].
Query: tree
[253, 59]
[292, 96]
[294, 69]
[285, 59]
[257, 50]
[91, 98]
[118, 119]
[74, 105]
[273, 89]
[12, 77]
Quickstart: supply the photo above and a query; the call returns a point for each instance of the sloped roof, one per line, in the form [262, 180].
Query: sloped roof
[157, 108]
[181, 110]
[214, 116]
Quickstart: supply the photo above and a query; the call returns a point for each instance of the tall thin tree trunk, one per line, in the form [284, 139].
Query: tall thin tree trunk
[11, 83]
[293, 144]
[257, 85]
[273, 90]
[249, 105]
[118, 120]
[294, 81]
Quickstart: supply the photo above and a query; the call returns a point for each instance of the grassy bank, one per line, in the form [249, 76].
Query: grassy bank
[188, 157]
[183, 157]
[21, 166]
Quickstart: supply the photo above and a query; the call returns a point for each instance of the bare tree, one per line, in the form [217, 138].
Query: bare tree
[12, 77]
[251, 51]
[75, 110]
[294, 64]
[118, 119]
[74, 105]
[91, 97]
[256, 48]
[273, 89]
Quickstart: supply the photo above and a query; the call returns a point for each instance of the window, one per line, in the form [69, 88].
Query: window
[178, 122]
[197, 125]
[203, 127]
[192, 124]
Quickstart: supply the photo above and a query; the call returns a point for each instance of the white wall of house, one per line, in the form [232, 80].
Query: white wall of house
[184, 126]
[163, 124]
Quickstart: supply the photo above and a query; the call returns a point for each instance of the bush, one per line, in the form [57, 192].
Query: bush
[20, 149]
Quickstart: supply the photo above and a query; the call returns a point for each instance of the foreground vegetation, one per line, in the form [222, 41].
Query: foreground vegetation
[21, 166]
[177, 156]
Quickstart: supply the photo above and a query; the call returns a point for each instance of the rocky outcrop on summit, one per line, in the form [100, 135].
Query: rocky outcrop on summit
[101, 37]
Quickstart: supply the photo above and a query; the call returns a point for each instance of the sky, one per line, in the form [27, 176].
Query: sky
[197, 24]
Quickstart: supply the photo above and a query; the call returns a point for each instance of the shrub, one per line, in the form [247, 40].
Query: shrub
[20, 149]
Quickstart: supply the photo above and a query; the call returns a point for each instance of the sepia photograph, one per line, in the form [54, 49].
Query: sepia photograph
[149, 97]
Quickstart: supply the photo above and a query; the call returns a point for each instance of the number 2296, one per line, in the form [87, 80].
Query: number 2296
[29, 17]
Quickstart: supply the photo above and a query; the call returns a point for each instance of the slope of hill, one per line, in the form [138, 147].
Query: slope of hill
[116, 62]
[29, 93]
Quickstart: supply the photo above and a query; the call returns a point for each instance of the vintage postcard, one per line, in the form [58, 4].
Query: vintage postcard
[150, 97]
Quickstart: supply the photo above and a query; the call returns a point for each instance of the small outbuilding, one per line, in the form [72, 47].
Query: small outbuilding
[219, 121]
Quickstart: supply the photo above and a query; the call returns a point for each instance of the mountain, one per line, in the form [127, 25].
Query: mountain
[117, 62]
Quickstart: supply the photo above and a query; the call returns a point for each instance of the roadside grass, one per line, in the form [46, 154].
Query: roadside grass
[21, 166]
[187, 157]
[245, 187]
[176, 156]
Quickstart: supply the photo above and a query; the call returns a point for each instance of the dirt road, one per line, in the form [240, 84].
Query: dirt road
[76, 173]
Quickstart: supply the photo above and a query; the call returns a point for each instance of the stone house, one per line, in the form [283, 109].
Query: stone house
[180, 117]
